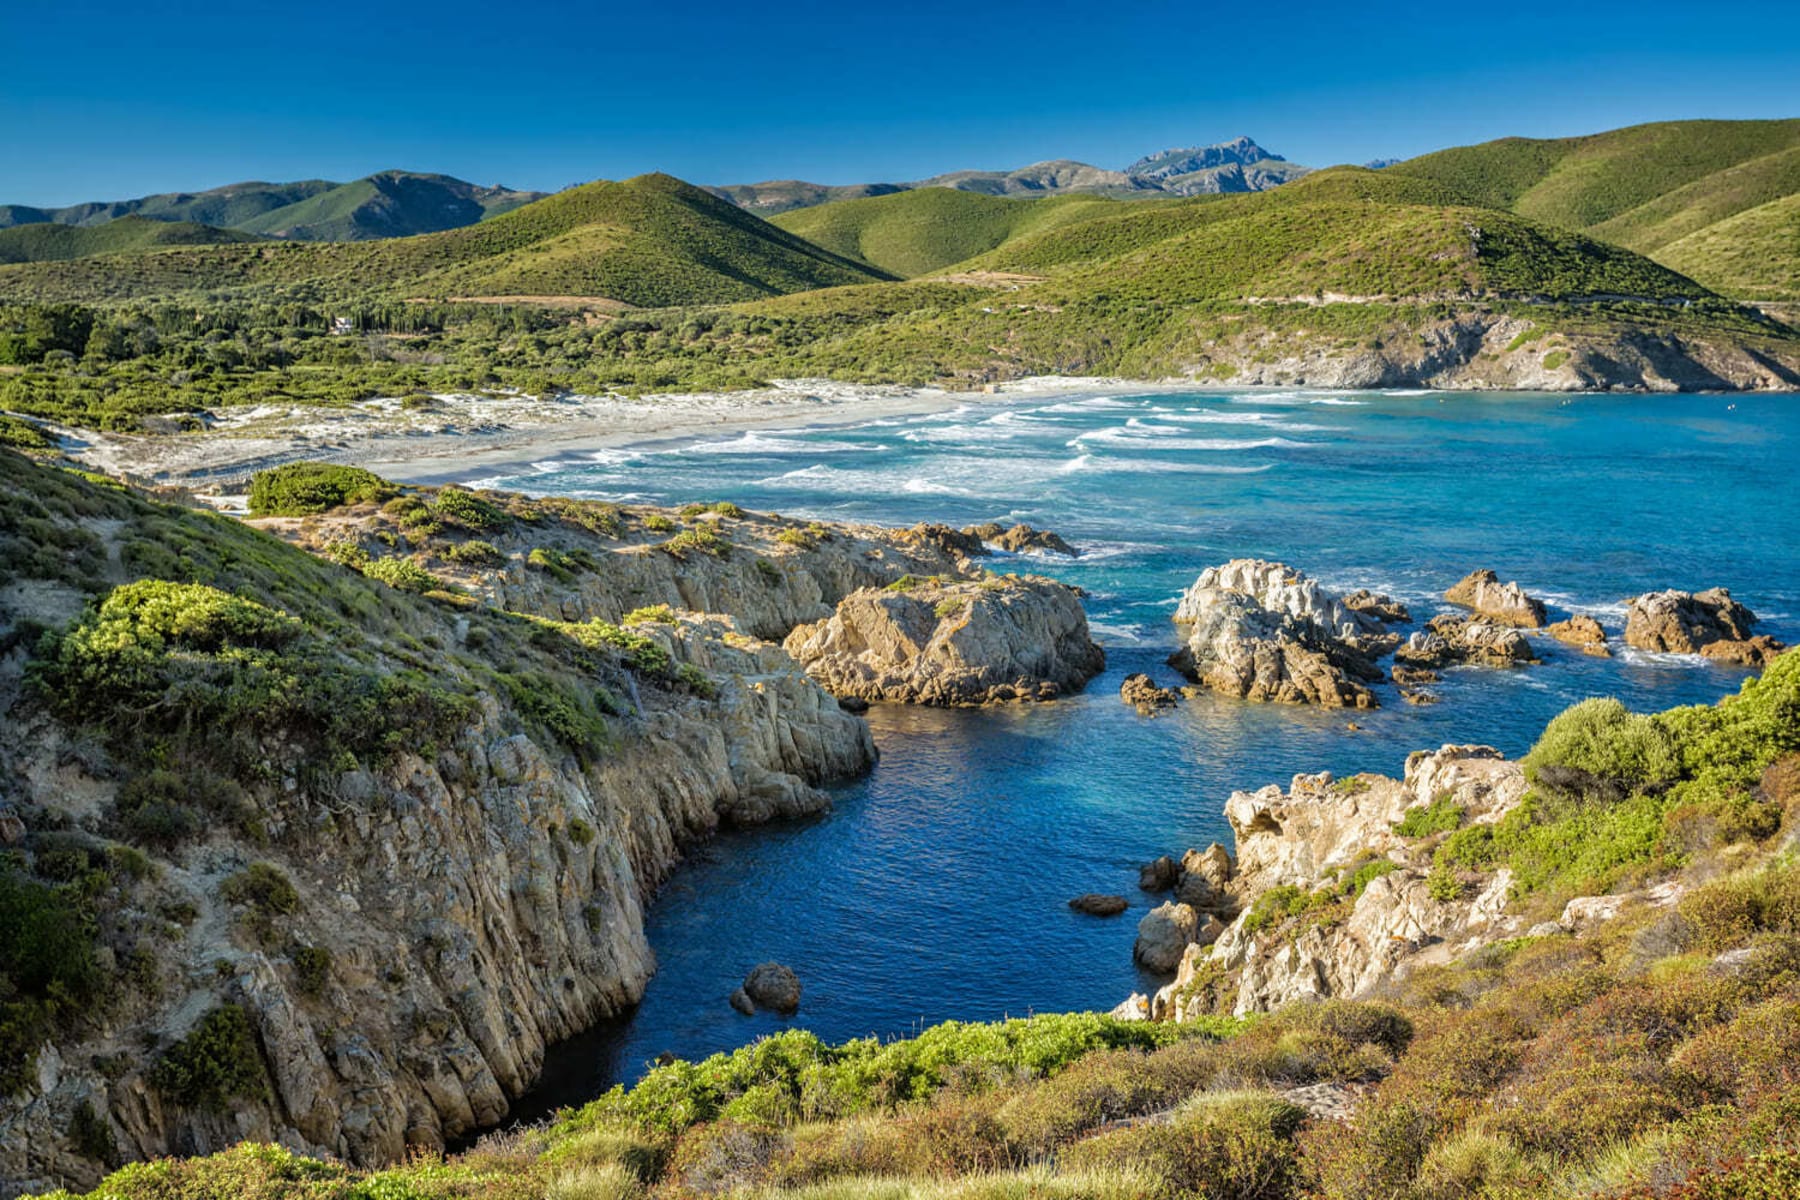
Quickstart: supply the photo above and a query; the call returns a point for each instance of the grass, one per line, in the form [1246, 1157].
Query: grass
[59, 243]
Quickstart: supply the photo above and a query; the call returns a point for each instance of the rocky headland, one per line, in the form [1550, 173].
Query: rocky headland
[352, 920]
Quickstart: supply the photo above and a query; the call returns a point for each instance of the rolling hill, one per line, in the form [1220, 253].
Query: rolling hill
[1696, 185]
[386, 204]
[917, 232]
[647, 241]
[53, 243]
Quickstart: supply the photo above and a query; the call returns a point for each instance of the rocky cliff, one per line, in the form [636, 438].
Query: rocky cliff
[341, 842]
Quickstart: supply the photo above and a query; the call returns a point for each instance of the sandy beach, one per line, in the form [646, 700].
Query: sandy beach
[466, 437]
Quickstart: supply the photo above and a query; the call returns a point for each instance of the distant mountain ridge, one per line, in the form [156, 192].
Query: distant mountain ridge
[1238, 165]
[385, 204]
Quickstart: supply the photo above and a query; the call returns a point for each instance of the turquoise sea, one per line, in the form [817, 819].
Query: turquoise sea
[937, 887]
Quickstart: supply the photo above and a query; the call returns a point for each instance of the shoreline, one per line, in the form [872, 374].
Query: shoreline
[464, 437]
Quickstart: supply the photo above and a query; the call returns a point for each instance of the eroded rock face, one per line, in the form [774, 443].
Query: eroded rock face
[1383, 608]
[1450, 639]
[1582, 632]
[1709, 623]
[1263, 631]
[953, 643]
[1505, 603]
[1308, 837]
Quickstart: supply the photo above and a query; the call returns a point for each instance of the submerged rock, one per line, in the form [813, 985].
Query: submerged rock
[1141, 692]
[953, 642]
[773, 986]
[1264, 631]
[1098, 904]
[1583, 632]
[1709, 623]
[1505, 603]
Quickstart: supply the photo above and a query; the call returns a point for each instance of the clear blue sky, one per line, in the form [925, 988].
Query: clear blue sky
[107, 100]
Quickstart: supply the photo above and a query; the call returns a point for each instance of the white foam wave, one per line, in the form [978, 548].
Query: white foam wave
[1160, 440]
[752, 442]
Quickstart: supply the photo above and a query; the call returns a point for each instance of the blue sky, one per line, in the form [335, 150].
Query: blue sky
[107, 100]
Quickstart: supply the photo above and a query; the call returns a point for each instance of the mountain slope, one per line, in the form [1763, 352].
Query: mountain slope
[1647, 187]
[386, 204]
[648, 241]
[1755, 254]
[1239, 165]
[918, 232]
[49, 243]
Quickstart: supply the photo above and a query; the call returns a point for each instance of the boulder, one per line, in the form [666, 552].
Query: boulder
[953, 643]
[1263, 631]
[1709, 623]
[773, 986]
[740, 1000]
[1385, 609]
[1141, 692]
[1099, 904]
[1505, 603]
[1450, 639]
[1583, 632]
[1160, 875]
[1164, 935]
[1212, 864]
[1021, 539]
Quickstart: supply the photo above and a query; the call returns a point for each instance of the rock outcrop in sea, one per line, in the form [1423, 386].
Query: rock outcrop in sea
[1584, 633]
[1708, 623]
[1263, 631]
[1451, 639]
[953, 643]
[1505, 603]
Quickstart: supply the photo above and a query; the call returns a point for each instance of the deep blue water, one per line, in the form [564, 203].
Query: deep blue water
[937, 887]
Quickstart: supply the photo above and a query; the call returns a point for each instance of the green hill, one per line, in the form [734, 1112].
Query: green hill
[648, 241]
[918, 232]
[1345, 232]
[386, 204]
[54, 243]
[1649, 187]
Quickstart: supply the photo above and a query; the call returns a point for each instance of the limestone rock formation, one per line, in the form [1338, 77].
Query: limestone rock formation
[1263, 631]
[1582, 632]
[953, 643]
[1098, 904]
[1451, 639]
[1141, 692]
[773, 986]
[1709, 623]
[1505, 603]
[1310, 837]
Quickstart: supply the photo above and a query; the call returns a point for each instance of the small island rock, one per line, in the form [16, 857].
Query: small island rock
[1505, 603]
[1160, 875]
[1141, 692]
[1582, 632]
[1710, 623]
[773, 986]
[1098, 904]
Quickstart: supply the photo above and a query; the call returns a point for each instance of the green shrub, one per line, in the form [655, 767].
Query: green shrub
[580, 832]
[702, 539]
[547, 702]
[657, 523]
[264, 888]
[1442, 815]
[312, 969]
[401, 574]
[950, 606]
[1237, 1144]
[217, 1062]
[771, 574]
[23, 435]
[48, 970]
[726, 508]
[657, 614]
[463, 508]
[302, 489]
[475, 553]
